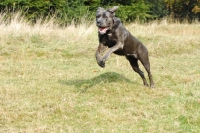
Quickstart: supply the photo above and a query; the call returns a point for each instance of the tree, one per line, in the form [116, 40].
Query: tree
[183, 9]
[158, 8]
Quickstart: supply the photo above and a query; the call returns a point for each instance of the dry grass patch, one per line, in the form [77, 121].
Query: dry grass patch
[50, 81]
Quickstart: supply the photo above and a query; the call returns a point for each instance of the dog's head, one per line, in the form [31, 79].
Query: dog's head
[104, 19]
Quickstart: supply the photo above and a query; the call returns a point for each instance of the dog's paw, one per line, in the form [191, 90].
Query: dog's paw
[152, 86]
[102, 63]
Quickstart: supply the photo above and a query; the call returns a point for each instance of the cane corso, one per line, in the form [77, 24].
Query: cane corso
[118, 39]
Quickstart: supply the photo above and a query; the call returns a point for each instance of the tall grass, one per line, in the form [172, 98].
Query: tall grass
[50, 81]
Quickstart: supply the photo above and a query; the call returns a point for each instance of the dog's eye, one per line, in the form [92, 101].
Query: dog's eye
[98, 16]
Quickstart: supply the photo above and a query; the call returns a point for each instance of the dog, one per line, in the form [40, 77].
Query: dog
[118, 39]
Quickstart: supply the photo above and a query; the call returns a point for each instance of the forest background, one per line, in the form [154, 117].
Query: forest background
[68, 11]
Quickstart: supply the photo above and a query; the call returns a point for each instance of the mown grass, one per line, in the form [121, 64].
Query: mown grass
[50, 81]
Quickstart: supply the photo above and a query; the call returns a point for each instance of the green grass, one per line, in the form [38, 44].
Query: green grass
[50, 81]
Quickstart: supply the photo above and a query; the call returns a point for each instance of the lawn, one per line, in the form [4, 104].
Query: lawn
[50, 81]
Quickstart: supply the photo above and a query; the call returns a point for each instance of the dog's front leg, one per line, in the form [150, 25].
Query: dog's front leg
[116, 47]
[100, 49]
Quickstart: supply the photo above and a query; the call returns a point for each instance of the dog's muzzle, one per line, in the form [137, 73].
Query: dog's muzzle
[102, 30]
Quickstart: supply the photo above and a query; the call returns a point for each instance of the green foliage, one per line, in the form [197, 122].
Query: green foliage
[157, 8]
[67, 11]
[135, 12]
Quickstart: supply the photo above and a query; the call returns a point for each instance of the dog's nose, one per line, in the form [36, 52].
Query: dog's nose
[98, 22]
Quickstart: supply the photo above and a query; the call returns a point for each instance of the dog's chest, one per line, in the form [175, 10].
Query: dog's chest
[108, 40]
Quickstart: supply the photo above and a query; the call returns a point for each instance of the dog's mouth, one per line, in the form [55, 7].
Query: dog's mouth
[103, 30]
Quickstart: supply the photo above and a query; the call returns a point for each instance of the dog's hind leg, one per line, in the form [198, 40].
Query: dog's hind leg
[134, 63]
[145, 61]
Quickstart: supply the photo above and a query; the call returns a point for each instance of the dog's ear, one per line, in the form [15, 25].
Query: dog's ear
[113, 9]
[99, 8]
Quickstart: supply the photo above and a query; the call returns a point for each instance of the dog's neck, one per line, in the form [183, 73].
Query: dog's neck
[116, 23]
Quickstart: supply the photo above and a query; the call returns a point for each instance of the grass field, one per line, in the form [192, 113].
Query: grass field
[50, 81]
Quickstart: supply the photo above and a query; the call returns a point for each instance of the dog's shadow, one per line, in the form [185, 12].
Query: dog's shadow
[84, 84]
